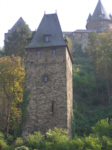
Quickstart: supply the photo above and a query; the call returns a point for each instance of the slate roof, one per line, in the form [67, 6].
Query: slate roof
[49, 26]
[18, 25]
[83, 31]
[89, 17]
[100, 12]
[67, 33]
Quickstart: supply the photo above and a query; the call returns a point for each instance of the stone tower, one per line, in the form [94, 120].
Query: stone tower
[100, 20]
[49, 79]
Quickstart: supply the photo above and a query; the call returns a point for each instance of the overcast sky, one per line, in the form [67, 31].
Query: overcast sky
[72, 13]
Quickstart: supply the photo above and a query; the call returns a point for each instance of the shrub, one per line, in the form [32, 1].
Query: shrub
[22, 148]
[76, 144]
[3, 145]
[35, 141]
[1, 135]
[106, 143]
[58, 138]
[18, 141]
[92, 143]
[10, 139]
[103, 127]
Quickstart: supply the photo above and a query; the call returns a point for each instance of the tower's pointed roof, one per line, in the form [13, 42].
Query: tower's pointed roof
[49, 26]
[89, 17]
[18, 25]
[100, 12]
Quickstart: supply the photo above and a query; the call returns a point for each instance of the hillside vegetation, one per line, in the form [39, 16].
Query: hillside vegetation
[92, 91]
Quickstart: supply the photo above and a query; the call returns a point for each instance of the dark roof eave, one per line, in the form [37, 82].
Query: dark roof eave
[35, 47]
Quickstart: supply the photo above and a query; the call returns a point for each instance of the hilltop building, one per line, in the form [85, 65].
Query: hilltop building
[49, 79]
[98, 22]
[49, 69]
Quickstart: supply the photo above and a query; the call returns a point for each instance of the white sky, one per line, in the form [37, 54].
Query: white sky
[72, 13]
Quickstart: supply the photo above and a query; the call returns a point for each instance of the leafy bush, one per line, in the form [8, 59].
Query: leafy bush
[58, 138]
[92, 143]
[1, 136]
[18, 141]
[106, 143]
[76, 144]
[103, 128]
[35, 141]
[10, 139]
[22, 148]
[3, 145]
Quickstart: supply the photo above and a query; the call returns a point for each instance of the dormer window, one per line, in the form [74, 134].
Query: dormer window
[47, 38]
[101, 16]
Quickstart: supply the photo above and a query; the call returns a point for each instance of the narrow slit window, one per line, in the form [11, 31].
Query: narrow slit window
[52, 109]
[45, 79]
[38, 53]
[54, 52]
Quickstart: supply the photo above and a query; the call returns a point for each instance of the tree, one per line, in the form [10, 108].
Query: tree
[69, 43]
[100, 51]
[17, 42]
[11, 92]
[2, 52]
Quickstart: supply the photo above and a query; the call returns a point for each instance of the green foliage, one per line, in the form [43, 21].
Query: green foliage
[1, 136]
[2, 52]
[3, 144]
[35, 141]
[103, 128]
[17, 42]
[106, 143]
[18, 141]
[24, 111]
[89, 98]
[58, 139]
[22, 148]
[10, 139]
[100, 51]
[69, 43]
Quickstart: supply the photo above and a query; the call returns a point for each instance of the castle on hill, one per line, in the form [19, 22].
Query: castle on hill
[98, 22]
[49, 70]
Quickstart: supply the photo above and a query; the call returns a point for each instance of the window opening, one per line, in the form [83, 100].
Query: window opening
[47, 38]
[45, 79]
[52, 108]
[54, 52]
[38, 53]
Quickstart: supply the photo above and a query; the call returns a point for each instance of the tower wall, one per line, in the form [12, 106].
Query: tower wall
[50, 102]
[100, 25]
[69, 92]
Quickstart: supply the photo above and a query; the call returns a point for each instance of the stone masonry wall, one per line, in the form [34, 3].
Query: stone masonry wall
[100, 25]
[80, 38]
[48, 100]
[69, 92]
